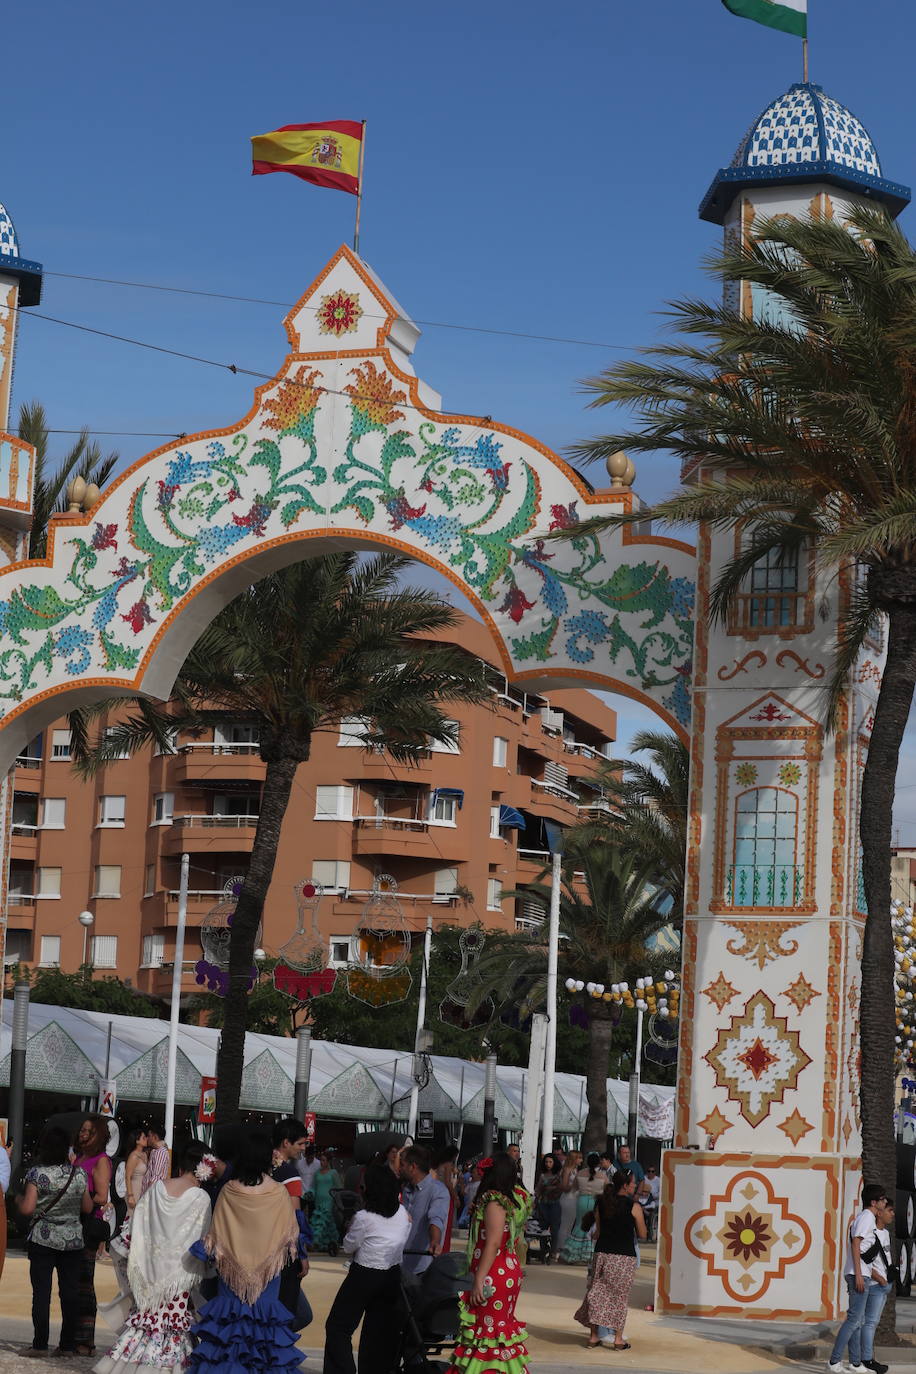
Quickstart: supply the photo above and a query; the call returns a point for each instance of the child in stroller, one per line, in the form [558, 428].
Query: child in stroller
[537, 1239]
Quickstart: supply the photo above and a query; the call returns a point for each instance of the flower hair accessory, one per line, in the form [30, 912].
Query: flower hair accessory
[206, 1169]
[485, 1164]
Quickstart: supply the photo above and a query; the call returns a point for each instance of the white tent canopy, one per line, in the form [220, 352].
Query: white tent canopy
[66, 1054]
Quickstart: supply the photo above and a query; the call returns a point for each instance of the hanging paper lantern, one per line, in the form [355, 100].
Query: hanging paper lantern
[302, 970]
[380, 975]
[215, 935]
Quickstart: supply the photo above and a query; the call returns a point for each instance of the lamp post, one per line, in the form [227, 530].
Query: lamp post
[87, 921]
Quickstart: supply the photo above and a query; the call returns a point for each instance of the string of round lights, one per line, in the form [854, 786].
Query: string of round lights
[903, 926]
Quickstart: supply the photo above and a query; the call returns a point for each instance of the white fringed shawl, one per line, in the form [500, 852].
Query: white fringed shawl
[163, 1229]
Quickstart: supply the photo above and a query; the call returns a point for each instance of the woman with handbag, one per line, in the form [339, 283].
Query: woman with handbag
[92, 1158]
[56, 1196]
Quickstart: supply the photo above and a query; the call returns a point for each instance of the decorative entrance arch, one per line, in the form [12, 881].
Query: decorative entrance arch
[345, 446]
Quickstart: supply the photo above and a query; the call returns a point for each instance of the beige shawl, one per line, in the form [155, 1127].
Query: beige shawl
[254, 1233]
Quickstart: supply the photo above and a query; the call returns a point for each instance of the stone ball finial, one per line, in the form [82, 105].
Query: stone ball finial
[76, 495]
[620, 469]
[92, 497]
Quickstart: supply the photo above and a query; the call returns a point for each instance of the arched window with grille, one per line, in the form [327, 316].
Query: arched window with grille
[765, 872]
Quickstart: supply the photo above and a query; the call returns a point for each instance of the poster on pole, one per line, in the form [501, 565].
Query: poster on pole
[108, 1097]
[206, 1108]
[310, 1122]
[425, 1126]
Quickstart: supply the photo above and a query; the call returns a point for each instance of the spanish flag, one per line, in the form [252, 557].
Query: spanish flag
[327, 154]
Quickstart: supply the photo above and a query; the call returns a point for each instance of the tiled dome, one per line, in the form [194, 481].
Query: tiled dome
[805, 135]
[27, 273]
[8, 245]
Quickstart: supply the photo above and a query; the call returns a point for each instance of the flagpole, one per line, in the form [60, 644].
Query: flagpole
[804, 64]
[359, 187]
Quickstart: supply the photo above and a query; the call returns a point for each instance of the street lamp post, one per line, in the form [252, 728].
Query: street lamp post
[87, 921]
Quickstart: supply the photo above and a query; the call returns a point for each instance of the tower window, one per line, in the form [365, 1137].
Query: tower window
[765, 872]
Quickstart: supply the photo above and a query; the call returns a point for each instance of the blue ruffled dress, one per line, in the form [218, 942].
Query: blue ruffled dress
[235, 1337]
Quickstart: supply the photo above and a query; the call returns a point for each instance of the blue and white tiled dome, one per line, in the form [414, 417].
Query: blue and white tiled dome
[27, 273]
[805, 135]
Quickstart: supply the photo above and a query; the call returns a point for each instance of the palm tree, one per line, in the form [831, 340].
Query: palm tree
[49, 493]
[604, 935]
[651, 801]
[327, 638]
[800, 424]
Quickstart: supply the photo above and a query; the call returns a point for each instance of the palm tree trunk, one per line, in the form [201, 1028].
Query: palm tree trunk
[600, 1035]
[282, 762]
[877, 1019]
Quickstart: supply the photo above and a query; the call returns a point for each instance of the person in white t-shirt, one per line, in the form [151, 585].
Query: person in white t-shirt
[861, 1256]
[879, 1262]
[371, 1292]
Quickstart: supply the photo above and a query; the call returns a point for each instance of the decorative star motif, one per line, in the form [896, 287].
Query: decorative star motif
[795, 1126]
[720, 992]
[757, 1058]
[747, 1246]
[715, 1124]
[800, 993]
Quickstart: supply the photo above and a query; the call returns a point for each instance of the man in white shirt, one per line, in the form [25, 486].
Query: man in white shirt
[879, 1263]
[307, 1167]
[861, 1253]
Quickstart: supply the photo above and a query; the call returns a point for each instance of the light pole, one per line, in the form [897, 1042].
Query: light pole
[87, 921]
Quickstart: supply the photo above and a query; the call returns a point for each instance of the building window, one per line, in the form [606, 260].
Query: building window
[53, 813]
[149, 886]
[104, 951]
[60, 745]
[123, 753]
[49, 951]
[112, 810]
[772, 596]
[439, 747]
[494, 823]
[352, 730]
[237, 804]
[239, 736]
[500, 749]
[765, 872]
[107, 880]
[168, 746]
[494, 890]
[339, 951]
[163, 808]
[49, 882]
[444, 884]
[31, 754]
[333, 874]
[153, 950]
[443, 809]
[18, 948]
[334, 803]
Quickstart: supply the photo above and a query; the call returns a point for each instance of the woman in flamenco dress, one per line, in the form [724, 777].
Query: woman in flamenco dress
[253, 1235]
[490, 1340]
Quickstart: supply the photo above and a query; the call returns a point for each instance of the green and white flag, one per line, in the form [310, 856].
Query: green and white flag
[789, 15]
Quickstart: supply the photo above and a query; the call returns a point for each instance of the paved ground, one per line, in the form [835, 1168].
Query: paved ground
[659, 1345]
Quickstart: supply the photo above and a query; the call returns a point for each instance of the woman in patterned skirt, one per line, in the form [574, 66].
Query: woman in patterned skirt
[619, 1219]
[490, 1340]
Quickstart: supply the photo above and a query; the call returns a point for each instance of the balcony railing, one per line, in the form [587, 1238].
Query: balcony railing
[208, 822]
[212, 747]
[555, 790]
[394, 822]
[26, 761]
[602, 807]
[20, 898]
[24, 830]
[535, 855]
[587, 751]
[764, 885]
[354, 894]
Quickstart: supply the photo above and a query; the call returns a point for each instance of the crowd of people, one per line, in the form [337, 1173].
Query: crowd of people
[210, 1247]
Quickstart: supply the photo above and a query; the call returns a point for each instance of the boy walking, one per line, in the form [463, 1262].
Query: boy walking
[867, 1270]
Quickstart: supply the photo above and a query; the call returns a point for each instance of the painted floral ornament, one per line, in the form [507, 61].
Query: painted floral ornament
[212, 970]
[302, 969]
[380, 975]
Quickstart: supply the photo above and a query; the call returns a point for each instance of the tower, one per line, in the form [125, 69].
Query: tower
[763, 1177]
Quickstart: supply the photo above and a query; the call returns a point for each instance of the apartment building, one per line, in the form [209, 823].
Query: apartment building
[449, 830]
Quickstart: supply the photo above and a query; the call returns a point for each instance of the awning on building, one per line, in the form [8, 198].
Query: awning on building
[456, 792]
[511, 819]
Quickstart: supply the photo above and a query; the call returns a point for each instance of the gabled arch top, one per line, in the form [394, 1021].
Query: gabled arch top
[344, 448]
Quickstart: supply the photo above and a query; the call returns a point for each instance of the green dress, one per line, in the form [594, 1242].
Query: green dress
[324, 1227]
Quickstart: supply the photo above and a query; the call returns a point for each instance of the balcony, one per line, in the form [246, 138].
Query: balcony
[392, 835]
[217, 764]
[371, 765]
[756, 886]
[156, 981]
[553, 802]
[161, 908]
[596, 810]
[23, 844]
[21, 905]
[416, 906]
[215, 834]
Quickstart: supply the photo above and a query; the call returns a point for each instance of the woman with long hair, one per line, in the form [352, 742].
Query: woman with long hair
[371, 1291]
[167, 1220]
[92, 1158]
[589, 1184]
[324, 1227]
[548, 1190]
[254, 1233]
[619, 1219]
[490, 1339]
[135, 1165]
[56, 1196]
[568, 1197]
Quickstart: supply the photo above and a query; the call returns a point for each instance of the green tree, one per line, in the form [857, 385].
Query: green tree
[604, 940]
[652, 803]
[49, 492]
[51, 987]
[326, 638]
[800, 425]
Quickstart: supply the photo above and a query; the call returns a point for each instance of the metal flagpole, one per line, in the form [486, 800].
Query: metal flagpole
[359, 187]
[805, 59]
[176, 1001]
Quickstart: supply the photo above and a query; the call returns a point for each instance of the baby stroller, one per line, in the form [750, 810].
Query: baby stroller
[345, 1202]
[537, 1238]
[431, 1313]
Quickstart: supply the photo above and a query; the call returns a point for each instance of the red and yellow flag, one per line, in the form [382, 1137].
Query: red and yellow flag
[327, 154]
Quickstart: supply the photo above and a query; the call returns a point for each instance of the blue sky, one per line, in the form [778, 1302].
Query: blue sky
[528, 167]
